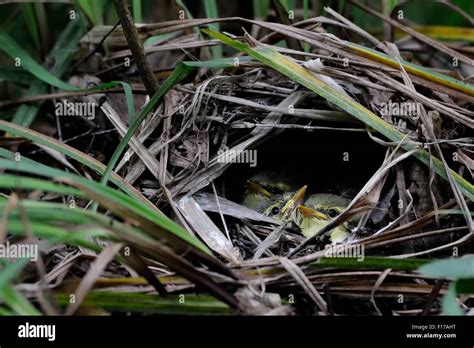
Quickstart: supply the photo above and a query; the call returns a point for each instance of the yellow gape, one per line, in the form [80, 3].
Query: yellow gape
[280, 201]
[265, 189]
[318, 210]
[285, 206]
[257, 197]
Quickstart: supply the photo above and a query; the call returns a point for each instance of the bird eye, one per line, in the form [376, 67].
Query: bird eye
[332, 213]
[275, 210]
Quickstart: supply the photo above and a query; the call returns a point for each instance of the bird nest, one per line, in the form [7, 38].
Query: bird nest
[331, 167]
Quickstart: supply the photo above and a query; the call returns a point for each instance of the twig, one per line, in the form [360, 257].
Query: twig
[41, 97]
[136, 46]
[434, 293]
[96, 48]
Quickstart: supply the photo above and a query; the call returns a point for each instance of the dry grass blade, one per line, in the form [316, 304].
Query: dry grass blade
[167, 245]
[215, 168]
[304, 282]
[207, 230]
[357, 29]
[290, 68]
[377, 285]
[435, 44]
[271, 239]
[208, 203]
[90, 278]
[150, 161]
[450, 112]
[429, 128]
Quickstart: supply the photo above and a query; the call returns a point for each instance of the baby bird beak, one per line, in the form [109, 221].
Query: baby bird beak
[294, 201]
[311, 213]
[256, 188]
[311, 221]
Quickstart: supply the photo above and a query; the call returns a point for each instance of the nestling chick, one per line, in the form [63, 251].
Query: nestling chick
[318, 210]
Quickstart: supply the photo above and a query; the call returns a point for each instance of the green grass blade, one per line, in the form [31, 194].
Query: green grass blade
[57, 234]
[12, 49]
[93, 9]
[422, 72]
[457, 268]
[11, 270]
[61, 54]
[137, 11]
[178, 74]
[25, 183]
[289, 5]
[460, 269]
[371, 262]
[109, 195]
[68, 151]
[388, 6]
[189, 15]
[12, 298]
[158, 39]
[465, 286]
[17, 302]
[28, 12]
[56, 214]
[22, 78]
[152, 304]
[217, 64]
[305, 9]
[449, 303]
[260, 8]
[210, 6]
[305, 17]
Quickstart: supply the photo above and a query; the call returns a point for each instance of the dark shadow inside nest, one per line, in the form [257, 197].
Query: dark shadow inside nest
[339, 163]
[327, 162]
